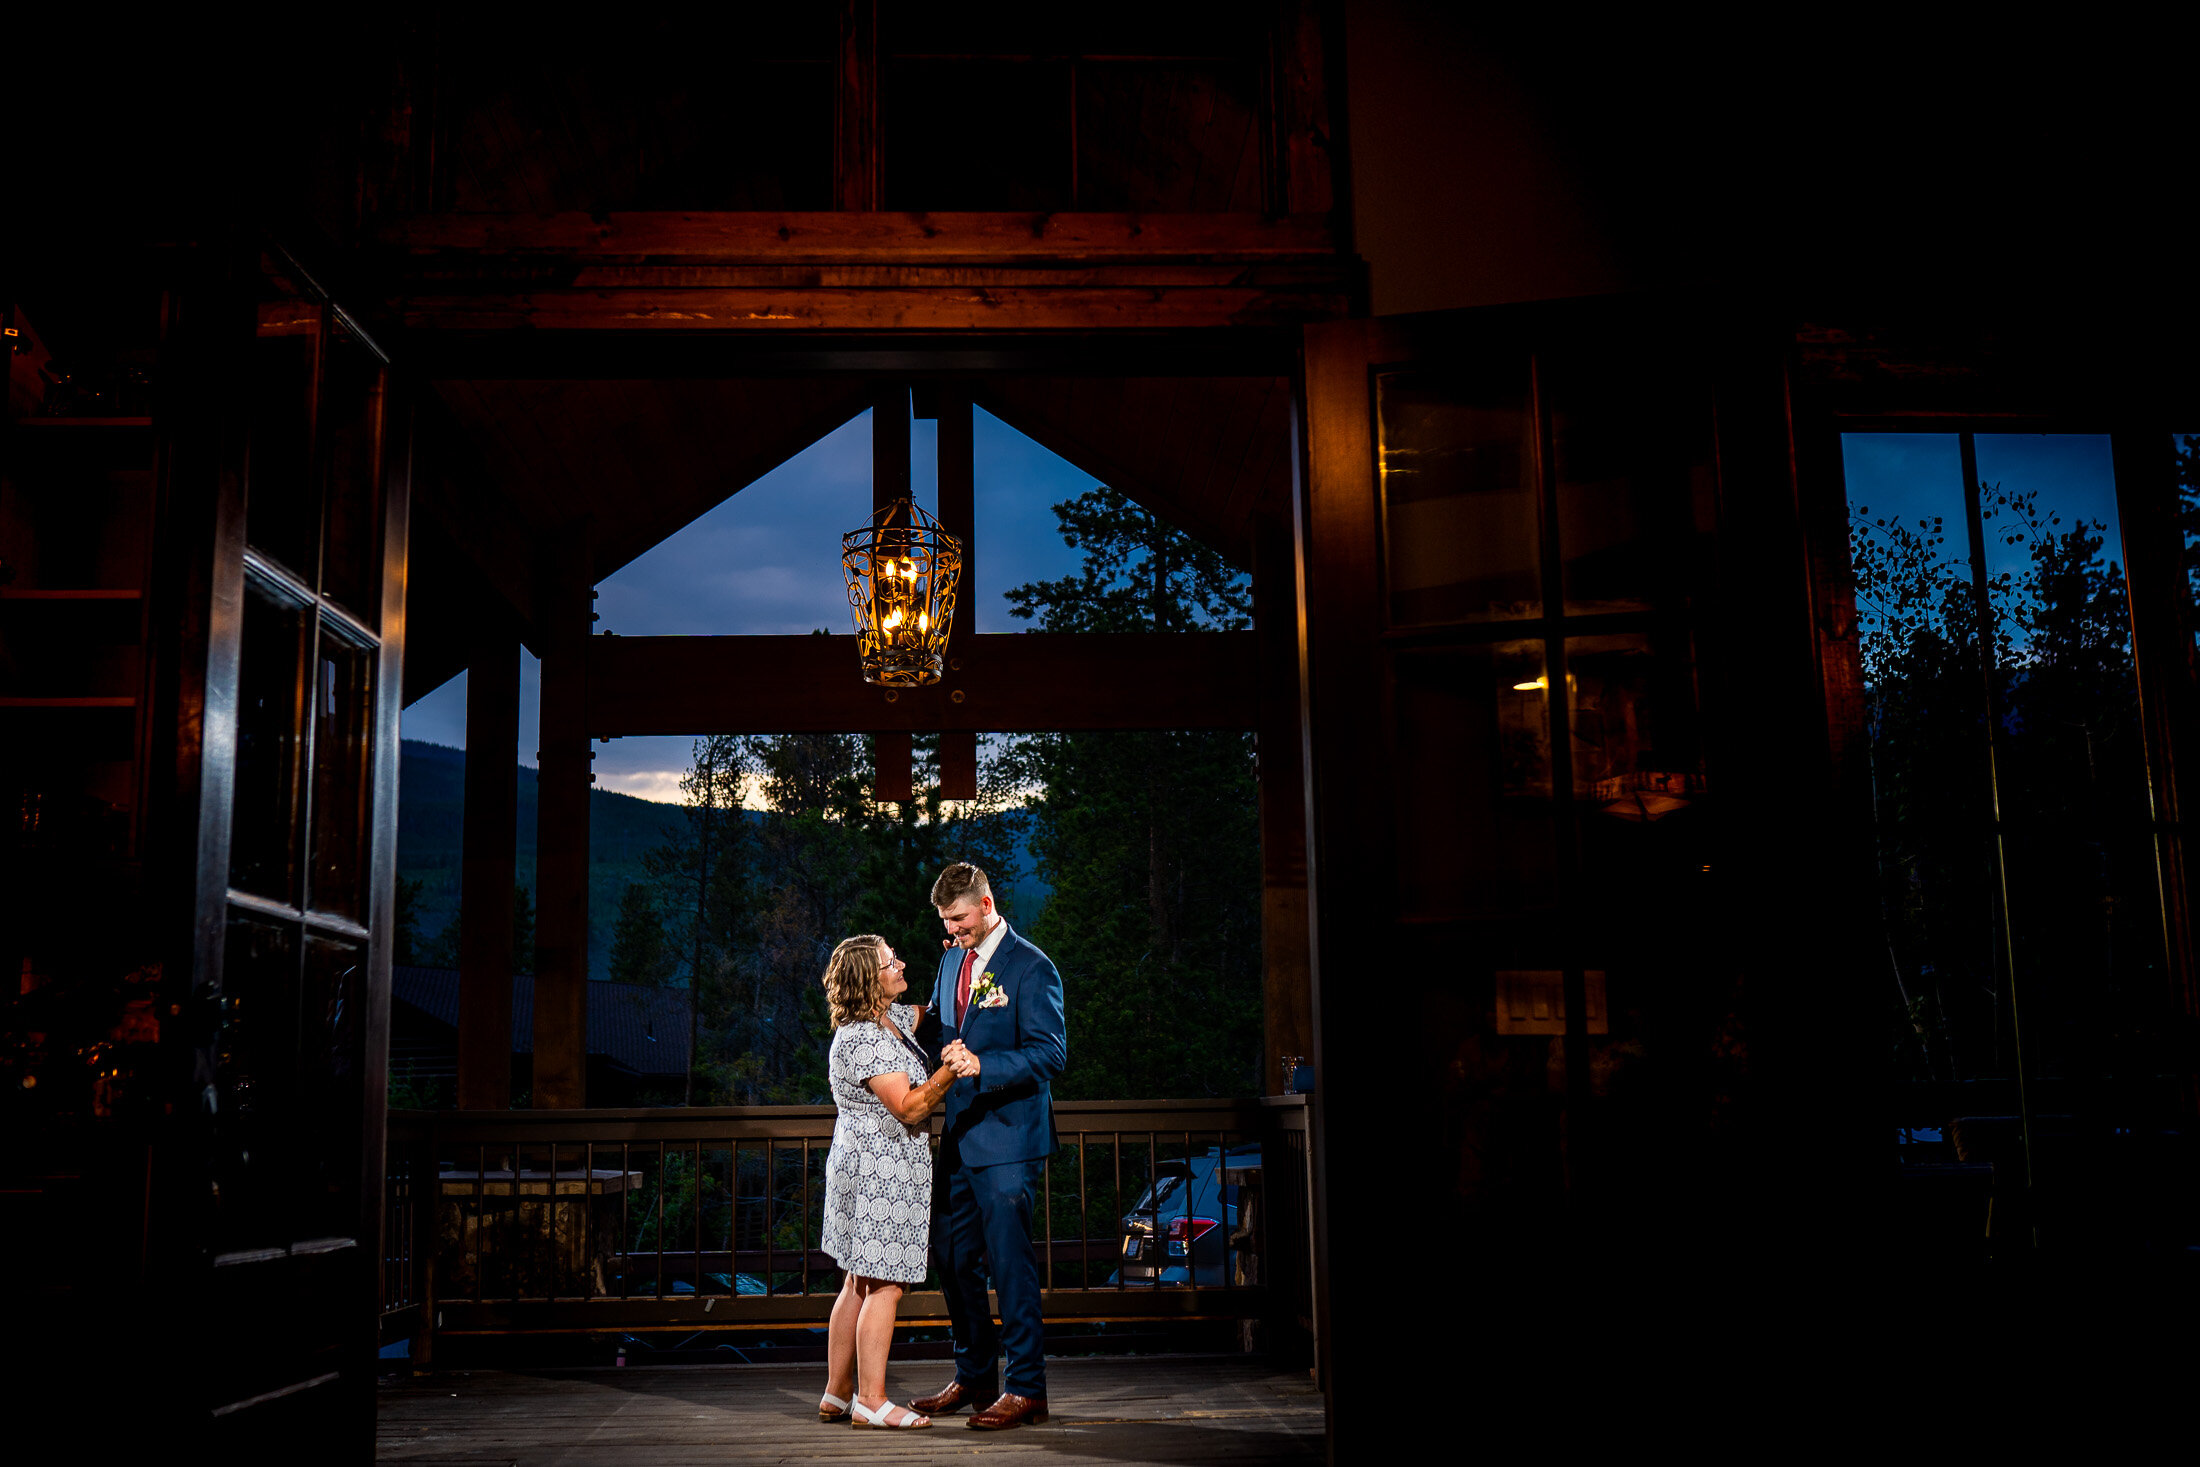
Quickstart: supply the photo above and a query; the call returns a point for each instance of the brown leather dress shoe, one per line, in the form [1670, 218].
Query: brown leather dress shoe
[1010, 1410]
[954, 1398]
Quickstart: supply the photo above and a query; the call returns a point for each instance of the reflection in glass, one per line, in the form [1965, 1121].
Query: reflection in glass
[2067, 759]
[1637, 753]
[1637, 486]
[352, 463]
[2185, 451]
[330, 1040]
[343, 692]
[263, 842]
[281, 512]
[2083, 900]
[1459, 496]
[1473, 745]
[255, 1071]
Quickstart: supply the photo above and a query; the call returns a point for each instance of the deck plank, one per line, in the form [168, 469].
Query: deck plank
[1235, 1409]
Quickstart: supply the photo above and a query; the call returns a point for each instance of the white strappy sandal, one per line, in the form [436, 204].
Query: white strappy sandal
[831, 1408]
[865, 1416]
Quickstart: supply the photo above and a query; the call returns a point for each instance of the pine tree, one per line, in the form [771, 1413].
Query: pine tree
[1151, 841]
[639, 952]
[405, 929]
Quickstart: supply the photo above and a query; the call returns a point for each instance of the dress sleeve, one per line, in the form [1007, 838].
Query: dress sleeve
[872, 1051]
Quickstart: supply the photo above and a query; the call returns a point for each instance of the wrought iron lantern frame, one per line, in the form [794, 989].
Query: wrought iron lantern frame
[903, 572]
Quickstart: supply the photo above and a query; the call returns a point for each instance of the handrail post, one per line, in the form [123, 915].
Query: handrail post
[427, 1200]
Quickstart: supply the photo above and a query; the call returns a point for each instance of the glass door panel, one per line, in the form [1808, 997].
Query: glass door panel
[255, 1084]
[331, 1034]
[1473, 750]
[263, 852]
[1637, 749]
[1457, 475]
[342, 745]
[1637, 485]
[282, 513]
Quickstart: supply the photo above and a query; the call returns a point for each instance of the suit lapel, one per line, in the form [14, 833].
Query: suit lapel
[998, 967]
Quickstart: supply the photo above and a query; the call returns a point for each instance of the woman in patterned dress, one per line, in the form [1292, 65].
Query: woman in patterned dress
[878, 1175]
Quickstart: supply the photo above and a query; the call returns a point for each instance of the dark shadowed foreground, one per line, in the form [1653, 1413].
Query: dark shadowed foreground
[1235, 1409]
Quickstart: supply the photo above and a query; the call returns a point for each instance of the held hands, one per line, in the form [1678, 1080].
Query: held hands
[958, 1057]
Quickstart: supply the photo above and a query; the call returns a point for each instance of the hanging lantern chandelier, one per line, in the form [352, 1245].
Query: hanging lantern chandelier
[903, 571]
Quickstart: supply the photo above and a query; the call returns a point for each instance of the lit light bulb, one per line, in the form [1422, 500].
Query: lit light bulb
[1535, 687]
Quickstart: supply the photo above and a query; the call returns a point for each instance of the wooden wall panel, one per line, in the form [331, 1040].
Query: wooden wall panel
[1199, 453]
[641, 458]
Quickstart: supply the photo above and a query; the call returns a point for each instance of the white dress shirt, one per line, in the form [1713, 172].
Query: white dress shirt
[986, 948]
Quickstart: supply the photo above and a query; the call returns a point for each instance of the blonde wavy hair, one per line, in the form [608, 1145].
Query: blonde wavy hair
[855, 980]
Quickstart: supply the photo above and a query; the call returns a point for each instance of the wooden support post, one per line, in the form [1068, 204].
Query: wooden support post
[1287, 996]
[895, 758]
[889, 445]
[485, 957]
[893, 776]
[561, 842]
[959, 517]
[858, 179]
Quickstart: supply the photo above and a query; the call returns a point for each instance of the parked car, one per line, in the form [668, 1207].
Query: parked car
[1179, 1231]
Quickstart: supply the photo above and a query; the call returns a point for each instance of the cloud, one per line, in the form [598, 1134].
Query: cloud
[659, 785]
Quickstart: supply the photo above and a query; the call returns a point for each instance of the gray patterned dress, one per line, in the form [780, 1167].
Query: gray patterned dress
[878, 1176]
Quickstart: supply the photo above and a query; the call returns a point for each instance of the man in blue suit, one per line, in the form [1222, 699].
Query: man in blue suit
[998, 1004]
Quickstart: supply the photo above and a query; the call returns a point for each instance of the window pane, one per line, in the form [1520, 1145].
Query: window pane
[1637, 749]
[1637, 487]
[330, 1089]
[343, 690]
[2186, 446]
[1917, 639]
[263, 841]
[351, 415]
[2083, 898]
[255, 1071]
[1473, 744]
[1460, 538]
[2068, 767]
[280, 507]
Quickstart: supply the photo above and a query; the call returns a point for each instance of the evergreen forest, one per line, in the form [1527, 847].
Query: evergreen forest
[1132, 859]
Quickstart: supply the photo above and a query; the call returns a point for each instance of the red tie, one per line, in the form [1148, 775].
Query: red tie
[962, 986]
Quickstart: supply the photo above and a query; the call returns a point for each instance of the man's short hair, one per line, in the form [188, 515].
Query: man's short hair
[959, 882]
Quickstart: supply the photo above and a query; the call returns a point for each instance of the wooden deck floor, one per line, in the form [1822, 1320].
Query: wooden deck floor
[1186, 1408]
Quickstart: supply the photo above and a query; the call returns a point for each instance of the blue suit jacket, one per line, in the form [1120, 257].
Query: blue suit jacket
[1006, 1113]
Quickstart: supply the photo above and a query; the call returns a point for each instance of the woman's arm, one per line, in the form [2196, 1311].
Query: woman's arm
[911, 1103]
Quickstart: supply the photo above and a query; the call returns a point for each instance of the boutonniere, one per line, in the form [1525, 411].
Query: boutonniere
[987, 993]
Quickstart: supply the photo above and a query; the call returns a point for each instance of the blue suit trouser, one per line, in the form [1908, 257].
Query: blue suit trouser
[981, 1225]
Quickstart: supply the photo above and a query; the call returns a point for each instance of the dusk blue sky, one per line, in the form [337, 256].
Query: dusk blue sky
[1921, 474]
[767, 561]
[1913, 476]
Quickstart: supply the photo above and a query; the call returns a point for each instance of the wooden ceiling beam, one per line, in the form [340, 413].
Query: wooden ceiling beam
[1007, 684]
[864, 237]
[610, 355]
[938, 308]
